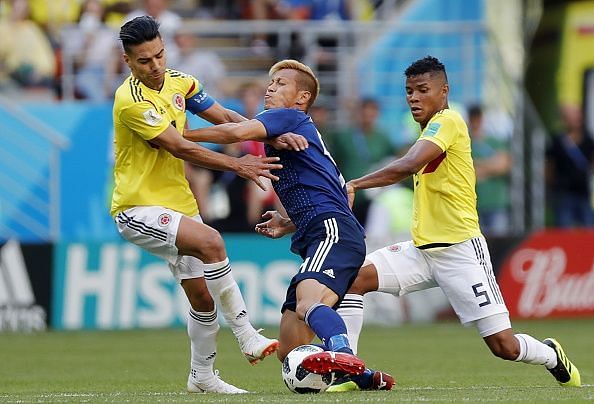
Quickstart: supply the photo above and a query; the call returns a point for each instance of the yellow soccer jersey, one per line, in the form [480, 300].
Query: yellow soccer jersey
[145, 174]
[444, 197]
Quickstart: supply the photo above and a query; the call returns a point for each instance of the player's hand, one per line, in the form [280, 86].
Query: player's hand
[276, 226]
[289, 141]
[350, 194]
[252, 168]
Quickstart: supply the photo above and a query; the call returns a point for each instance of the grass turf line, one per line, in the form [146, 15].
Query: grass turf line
[432, 363]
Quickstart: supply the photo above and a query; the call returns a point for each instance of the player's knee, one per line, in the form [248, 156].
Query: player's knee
[301, 309]
[366, 281]
[213, 247]
[358, 287]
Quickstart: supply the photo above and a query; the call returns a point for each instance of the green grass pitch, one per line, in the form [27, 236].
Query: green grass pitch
[431, 363]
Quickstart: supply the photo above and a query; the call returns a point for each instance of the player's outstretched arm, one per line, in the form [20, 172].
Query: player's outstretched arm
[276, 226]
[217, 114]
[421, 153]
[248, 166]
[246, 130]
[225, 133]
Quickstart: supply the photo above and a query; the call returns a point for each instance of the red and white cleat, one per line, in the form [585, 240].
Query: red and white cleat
[328, 361]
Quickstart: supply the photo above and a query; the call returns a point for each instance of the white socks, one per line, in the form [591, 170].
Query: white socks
[351, 311]
[227, 296]
[202, 330]
[535, 352]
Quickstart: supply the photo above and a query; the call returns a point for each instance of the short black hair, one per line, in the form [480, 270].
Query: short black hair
[428, 64]
[475, 111]
[139, 30]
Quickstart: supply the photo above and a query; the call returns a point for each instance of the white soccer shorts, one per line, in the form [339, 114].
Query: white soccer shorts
[463, 271]
[154, 229]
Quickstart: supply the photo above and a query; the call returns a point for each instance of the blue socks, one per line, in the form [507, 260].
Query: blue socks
[329, 327]
[364, 380]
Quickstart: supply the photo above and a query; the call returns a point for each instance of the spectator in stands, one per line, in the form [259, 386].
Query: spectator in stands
[358, 148]
[26, 55]
[116, 11]
[205, 64]
[93, 46]
[169, 21]
[320, 114]
[570, 158]
[262, 10]
[53, 15]
[320, 10]
[492, 164]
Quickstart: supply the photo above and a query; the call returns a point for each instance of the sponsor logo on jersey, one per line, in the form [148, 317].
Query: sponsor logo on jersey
[329, 272]
[178, 101]
[164, 219]
[152, 117]
[394, 248]
[18, 311]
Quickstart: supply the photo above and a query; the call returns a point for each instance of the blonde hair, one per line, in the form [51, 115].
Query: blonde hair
[306, 80]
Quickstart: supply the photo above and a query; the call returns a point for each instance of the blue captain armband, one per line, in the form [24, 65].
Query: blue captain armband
[199, 102]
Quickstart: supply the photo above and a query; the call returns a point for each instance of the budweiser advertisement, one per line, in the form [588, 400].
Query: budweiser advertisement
[550, 274]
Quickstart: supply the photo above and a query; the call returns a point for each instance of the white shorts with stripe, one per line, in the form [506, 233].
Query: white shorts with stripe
[463, 271]
[154, 228]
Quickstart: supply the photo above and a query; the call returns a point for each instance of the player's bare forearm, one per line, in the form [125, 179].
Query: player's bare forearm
[218, 114]
[391, 174]
[206, 158]
[228, 132]
[233, 116]
[220, 134]
[419, 155]
[248, 166]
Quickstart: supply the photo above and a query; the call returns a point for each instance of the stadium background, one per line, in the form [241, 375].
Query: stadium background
[63, 266]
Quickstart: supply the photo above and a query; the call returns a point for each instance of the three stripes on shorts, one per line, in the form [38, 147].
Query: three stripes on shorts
[315, 263]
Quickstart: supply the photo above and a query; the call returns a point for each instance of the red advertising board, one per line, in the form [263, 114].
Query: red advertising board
[550, 274]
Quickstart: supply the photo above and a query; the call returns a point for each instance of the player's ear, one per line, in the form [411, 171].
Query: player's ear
[445, 89]
[304, 97]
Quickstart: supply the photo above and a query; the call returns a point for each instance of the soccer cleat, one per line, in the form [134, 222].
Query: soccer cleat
[379, 381]
[212, 385]
[565, 372]
[257, 347]
[330, 361]
[382, 381]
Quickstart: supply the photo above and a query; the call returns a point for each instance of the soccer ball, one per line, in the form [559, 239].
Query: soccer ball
[299, 380]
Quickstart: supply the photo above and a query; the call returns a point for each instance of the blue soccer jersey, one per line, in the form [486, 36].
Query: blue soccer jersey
[310, 183]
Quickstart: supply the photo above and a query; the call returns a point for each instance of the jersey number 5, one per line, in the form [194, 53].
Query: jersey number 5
[481, 293]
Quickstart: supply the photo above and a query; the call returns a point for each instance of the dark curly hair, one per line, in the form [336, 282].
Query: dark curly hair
[428, 64]
[139, 30]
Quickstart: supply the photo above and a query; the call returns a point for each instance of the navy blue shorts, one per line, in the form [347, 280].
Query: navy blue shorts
[333, 250]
